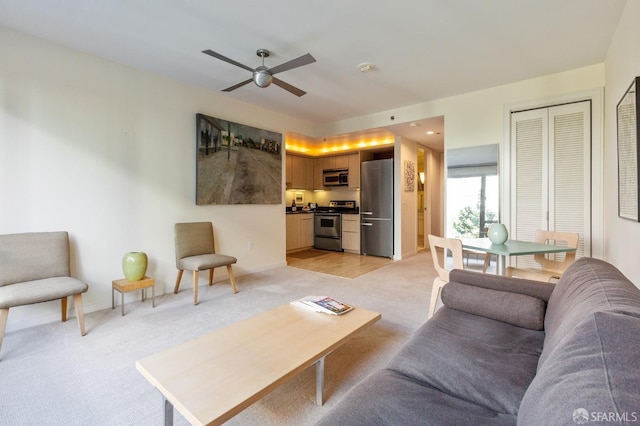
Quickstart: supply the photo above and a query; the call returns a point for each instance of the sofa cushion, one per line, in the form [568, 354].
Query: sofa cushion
[517, 309]
[590, 370]
[587, 286]
[483, 361]
[389, 398]
[38, 291]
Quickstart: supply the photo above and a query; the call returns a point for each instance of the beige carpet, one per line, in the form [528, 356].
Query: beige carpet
[49, 375]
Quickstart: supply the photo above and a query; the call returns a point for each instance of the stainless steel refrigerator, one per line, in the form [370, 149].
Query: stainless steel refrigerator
[376, 208]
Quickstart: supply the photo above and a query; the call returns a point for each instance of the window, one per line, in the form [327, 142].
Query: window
[473, 188]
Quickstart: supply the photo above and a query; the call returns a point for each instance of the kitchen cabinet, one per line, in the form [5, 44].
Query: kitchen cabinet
[349, 161]
[299, 173]
[351, 232]
[306, 230]
[317, 174]
[341, 161]
[354, 170]
[335, 162]
[293, 232]
[288, 168]
[299, 231]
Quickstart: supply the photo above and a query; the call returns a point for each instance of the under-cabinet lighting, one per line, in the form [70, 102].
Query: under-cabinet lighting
[302, 148]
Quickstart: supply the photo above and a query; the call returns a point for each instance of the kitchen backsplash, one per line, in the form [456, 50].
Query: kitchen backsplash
[322, 198]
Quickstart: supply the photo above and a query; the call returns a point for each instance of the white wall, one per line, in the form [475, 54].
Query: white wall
[108, 153]
[476, 118]
[622, 236]
[409, 200]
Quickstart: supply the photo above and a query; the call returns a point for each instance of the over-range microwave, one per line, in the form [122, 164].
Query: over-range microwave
[335, 177]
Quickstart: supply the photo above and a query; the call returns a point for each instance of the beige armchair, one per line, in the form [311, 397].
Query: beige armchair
[439, 247]
[34, 268]
[195, 251]
[550, 268]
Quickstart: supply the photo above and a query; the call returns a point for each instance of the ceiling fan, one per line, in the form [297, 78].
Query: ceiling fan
[263, 76]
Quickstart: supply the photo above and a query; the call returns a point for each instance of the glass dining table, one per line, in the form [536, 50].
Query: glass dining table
[511, 248]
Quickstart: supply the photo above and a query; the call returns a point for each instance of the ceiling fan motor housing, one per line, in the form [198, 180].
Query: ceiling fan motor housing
[262, 77]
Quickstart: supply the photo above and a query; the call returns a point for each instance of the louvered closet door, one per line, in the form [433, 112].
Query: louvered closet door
[550, 163]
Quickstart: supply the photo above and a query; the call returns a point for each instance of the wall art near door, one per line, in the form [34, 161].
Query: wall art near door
[628, 141]
[237, 164]
[409, 176]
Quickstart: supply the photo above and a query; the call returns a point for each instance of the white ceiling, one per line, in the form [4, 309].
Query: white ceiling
[422, 49]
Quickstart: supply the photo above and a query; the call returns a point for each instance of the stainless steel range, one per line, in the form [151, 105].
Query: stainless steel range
[327, 224]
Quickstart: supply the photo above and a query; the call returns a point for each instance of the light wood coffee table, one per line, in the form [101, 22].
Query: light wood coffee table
[212, 378]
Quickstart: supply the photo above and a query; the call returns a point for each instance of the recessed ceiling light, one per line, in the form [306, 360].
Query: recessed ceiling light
[413, 124]
[366, 67]
[430, 132]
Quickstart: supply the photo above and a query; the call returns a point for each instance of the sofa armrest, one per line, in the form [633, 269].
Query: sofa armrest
[537, 289]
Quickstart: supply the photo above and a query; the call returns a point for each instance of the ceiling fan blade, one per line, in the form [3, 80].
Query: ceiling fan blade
[288, 87]
[224, 58]
[294, 63]
[234, 87]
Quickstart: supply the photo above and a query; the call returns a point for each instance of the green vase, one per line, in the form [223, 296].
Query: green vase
[498, 233]
[134, 265]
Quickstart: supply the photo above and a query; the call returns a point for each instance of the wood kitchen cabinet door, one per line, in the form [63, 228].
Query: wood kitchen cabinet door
[293, 232]
[354, 170]
[351, 233]
[306, 230]
[341, 161]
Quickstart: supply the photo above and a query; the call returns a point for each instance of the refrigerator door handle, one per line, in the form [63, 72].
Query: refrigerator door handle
[366, 212]
[366, 224]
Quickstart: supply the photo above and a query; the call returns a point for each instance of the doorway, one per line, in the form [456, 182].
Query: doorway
[421, 200]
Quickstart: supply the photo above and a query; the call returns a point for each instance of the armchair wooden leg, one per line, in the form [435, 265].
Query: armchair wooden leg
[231, 279]
[175, 290]
[4, 314]
[77, 301]
[64, 308]
[195, 287]
[211, 276]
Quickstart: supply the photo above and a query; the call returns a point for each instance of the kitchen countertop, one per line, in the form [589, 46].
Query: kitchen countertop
[300, 211]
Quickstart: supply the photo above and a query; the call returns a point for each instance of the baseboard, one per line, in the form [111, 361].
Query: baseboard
[22, 317]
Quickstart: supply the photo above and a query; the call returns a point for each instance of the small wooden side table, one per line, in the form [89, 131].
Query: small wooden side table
[123, 286]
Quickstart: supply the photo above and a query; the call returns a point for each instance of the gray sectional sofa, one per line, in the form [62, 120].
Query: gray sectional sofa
[506, 351]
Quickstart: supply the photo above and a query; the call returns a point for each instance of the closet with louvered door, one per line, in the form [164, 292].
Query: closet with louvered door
[551, 174]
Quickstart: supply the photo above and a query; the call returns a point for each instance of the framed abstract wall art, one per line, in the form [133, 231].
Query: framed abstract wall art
[237, 164]
[409, 175]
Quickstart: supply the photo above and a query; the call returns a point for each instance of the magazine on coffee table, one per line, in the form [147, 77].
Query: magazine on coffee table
[323, 304]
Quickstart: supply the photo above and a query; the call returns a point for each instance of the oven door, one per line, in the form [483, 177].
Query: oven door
[327, 225]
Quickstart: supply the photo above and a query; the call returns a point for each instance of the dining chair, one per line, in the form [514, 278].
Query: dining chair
[485, 256]
[551, 268]
[439, 247]
[195, 251]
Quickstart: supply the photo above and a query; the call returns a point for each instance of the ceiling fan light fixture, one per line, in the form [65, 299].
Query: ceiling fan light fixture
[262, 77]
